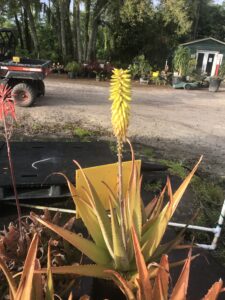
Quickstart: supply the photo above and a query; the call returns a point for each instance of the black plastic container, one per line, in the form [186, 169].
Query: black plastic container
[214, 84]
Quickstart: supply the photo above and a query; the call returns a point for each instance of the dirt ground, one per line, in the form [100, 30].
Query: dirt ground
[177, 123]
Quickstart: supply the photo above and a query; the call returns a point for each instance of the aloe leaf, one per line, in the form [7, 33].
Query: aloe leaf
[167, 247]
[92, 270]
[122, 284]
[180, 290]
[144, 282]
[214, 291]
[180, 191]
[37, 289]
[153, 235]
[25, 286]
[9, 277]
[120, 257]
[50, 288]
[160, 289]
[100, 212]
[95, 253]
[88, 216]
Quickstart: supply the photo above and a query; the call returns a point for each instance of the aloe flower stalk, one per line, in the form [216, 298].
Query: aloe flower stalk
[120, 95]
[7, 110]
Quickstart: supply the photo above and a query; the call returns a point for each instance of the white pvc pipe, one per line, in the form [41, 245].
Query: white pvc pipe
[192, 227]
[216, 230]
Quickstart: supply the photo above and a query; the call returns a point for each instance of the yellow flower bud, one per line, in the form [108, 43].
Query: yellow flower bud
[120, 94]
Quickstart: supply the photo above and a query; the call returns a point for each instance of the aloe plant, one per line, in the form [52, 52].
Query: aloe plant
[107, 248]
[159, 287]
[111, 246]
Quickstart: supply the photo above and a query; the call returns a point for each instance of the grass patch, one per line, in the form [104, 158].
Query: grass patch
[84, 135]
[154, 187]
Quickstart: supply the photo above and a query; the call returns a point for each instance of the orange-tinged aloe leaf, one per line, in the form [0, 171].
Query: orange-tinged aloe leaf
[25, 286]
[182, 188]
[180, 290]
[133, 201]
[95, 253]
[160, 289]
[100, 212]
[37, 289]
[155, 212]
[122, 284]
[93, 270]
[120, 257]
[153, 235]
[70, 296]
[88, 216]
[144, 282]
[167, 247]
[214, 291]
[50, 288]
[9, 277]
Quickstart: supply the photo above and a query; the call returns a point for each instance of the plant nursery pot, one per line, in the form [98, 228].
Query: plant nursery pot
[214, 84]
[71, 75]
[106, 289]
[176, 79]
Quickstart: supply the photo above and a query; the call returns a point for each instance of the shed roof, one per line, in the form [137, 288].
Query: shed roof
[202, 40]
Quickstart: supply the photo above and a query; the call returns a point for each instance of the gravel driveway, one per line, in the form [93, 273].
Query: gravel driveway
[177, 123]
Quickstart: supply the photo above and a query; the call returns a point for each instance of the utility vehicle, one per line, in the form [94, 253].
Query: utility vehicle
[25, 76]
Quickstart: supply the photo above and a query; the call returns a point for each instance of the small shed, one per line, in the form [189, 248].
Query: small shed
[209, 54]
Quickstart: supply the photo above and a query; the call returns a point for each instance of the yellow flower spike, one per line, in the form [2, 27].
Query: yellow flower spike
[120, 94]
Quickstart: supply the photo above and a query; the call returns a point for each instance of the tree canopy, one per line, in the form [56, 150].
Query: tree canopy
[115, 30]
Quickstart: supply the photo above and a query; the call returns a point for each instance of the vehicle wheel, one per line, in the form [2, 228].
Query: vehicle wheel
[187, 87]
[23, 94]
[41, 88]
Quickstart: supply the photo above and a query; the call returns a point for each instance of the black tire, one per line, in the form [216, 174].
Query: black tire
[23, 94]
[41, 88]
[187, 87]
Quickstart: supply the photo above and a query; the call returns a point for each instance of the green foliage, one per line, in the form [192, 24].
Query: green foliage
[73, 66]
[140, 67]
[222, 70]
[181, 60]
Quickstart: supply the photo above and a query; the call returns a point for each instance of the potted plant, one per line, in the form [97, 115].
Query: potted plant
[181, 63]
[72, 68]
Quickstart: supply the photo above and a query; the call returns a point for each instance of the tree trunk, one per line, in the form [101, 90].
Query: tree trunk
[33, 32]
[75, 55]
[62, 29]
[19, 31]
[25, 30]
[55, 19]
[79, 45]
[69, 36]
[86, 27]
[97, 12]
[91, 51]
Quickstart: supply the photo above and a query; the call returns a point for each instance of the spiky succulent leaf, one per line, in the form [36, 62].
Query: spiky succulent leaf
[90, 249]
[160, 289]
[180, 290]
[145, 287]
[92, 270]
[120, 255]
[50, 288]
[214, 291]
[88, 216]
[122, 284]
[25, 286]
[153, 235]
[100, 212]
[9, 277]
